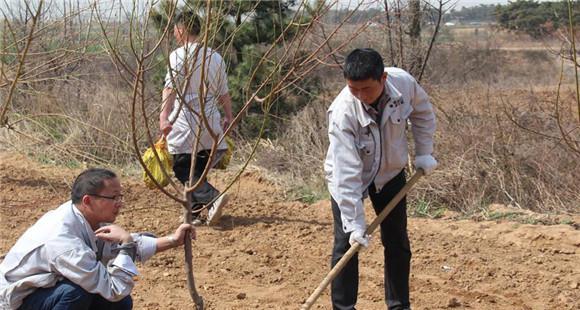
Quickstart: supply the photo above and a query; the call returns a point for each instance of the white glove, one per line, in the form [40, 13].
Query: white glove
[425, 162]
[358, 235]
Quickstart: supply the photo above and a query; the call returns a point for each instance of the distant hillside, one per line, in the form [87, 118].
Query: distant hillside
[481, 13]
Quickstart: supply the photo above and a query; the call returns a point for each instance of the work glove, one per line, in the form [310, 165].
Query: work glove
[425, 162]
[359, 235]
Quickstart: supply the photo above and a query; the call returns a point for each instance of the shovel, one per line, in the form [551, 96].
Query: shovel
[356, 246]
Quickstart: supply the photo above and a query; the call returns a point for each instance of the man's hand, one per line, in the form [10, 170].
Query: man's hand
[226, 122]
[179, 235]
[226, 102]
[359, 235]
[113, 233]
[165, 126]
[168, 99]
[425, 162]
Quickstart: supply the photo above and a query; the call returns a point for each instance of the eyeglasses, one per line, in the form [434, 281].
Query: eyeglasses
[117, 198]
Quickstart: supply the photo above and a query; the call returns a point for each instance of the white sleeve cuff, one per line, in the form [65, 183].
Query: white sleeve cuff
[146, 248]
[350, 224]
[125, 263]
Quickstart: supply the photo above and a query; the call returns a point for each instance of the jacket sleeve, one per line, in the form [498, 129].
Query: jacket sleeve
[422, 120]
[80, 266]
[146, 248]
[346, 165]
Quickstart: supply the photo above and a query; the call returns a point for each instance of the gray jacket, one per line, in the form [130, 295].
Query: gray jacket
[361, 151]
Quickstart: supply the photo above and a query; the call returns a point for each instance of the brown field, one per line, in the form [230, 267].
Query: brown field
[271, 254]
[502, 39]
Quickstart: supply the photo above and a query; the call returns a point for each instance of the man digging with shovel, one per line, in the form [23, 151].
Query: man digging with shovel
[366, 158]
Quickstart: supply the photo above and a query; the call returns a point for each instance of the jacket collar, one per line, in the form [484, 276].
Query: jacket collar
[393, 91]
[86, 230]
[363, 116]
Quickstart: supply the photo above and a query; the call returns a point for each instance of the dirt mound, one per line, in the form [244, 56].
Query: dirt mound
[271, 254]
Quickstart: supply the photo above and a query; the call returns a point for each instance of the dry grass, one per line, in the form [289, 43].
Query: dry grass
[294, 161]
[484, 156]
[79, 123]
[486, 159]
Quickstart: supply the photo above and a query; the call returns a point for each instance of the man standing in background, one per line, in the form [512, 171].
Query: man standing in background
[366, 157]
[190, 132]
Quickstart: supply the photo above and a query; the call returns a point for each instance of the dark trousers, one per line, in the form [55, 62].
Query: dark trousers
[397, 251]
[66, 295]
[182, 167]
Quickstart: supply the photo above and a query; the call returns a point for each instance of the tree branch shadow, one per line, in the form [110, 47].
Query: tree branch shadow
[229, 222]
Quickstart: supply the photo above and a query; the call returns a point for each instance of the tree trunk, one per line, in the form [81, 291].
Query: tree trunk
[415, 34]
[239, 54]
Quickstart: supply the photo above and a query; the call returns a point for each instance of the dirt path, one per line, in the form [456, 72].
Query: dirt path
[270, 254]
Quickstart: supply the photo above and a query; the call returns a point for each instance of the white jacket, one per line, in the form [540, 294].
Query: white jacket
[61, 244]
[360, 152]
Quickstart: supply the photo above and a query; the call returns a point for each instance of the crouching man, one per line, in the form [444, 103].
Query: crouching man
[73, 258]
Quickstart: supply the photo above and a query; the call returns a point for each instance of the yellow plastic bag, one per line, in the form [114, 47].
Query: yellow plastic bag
[225, 160]
[156, 167]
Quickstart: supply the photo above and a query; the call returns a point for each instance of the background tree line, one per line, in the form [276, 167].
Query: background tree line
[536, 18]
[527, 16]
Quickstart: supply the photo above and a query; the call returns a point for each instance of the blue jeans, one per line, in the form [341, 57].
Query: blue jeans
[66, 295]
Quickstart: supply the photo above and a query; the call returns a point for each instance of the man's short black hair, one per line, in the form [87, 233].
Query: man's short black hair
[190, 21]
[363, 64]
[90, 181]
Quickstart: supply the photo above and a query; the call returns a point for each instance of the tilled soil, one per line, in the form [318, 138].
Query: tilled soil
[269, 253]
